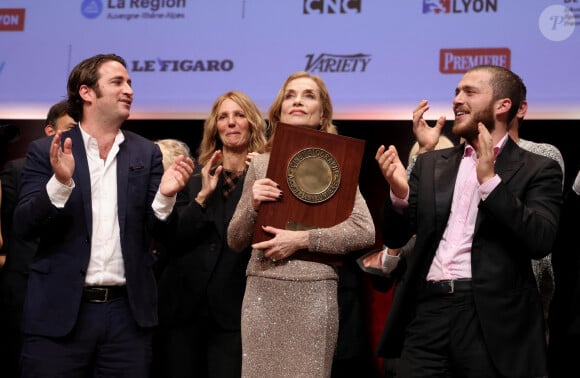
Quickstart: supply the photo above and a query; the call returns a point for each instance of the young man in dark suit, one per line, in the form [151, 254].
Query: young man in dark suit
[93, 196]
[467, 303]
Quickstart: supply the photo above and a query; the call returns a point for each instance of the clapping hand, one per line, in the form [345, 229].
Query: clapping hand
[62, 159]
[176, 176]
[393, 170]
[427, 136]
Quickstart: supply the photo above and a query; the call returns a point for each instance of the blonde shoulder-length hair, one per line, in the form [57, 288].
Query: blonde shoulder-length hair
[211, 141]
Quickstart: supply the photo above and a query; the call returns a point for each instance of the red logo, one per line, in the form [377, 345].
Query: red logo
[12, 19]
[452, 61]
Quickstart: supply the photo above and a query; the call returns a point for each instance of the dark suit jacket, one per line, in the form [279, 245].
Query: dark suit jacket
[203, 274]
[14, 274]
[9, 177]
[57, 272]
[517, 222]
[19, 251]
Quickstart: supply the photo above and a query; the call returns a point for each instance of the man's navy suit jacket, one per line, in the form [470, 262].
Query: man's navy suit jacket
[57, 271]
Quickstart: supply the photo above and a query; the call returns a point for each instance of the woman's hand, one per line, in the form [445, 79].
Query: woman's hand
[209, 181]
[283, 244]
[265, 190]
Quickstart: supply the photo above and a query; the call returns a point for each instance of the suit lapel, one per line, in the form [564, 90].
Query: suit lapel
[124, 159]
[444, 177]
[82, 176]
[508, 162]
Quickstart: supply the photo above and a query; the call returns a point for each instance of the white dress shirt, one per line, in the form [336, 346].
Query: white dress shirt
[106, 266]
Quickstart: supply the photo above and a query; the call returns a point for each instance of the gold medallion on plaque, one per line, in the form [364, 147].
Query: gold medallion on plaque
[313, 175]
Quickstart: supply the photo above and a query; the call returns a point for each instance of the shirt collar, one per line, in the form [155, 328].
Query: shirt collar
[88, 139]
[469, 151]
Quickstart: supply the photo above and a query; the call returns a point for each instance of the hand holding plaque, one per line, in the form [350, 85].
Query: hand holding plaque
[318, 171]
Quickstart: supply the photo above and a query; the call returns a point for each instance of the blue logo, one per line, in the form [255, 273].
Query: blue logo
[460, 6]
[91, 8]
[435, 6]
[2, 66]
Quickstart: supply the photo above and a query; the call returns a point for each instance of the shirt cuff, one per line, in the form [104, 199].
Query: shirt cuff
[399, 203]
[58, 192]
[487, 187]
[389, 262]
[163, 205]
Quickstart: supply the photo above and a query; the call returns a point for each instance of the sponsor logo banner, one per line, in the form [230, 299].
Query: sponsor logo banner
[182, 65]
[454, 61]
[130, 10]
[331, 6]
[459, 6]
[337, 63]
[12, 19]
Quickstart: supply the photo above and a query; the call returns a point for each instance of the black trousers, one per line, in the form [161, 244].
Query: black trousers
[106, 342]
[445, 340]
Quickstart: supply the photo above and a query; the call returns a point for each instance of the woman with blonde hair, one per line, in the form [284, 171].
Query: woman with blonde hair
[202, 288]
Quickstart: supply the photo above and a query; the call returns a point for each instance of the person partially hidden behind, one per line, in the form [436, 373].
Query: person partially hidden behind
[467, 303]
[19, 251]
[171, 149]
[94, 196]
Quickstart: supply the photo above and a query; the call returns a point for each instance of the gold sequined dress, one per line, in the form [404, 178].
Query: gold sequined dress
[290, 311]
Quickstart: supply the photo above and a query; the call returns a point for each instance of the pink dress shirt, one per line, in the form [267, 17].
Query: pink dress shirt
[453, 256]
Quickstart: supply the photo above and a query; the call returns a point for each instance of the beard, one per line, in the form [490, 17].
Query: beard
[469, 131]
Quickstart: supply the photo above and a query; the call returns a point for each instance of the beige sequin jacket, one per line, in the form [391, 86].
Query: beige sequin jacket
[355, 233]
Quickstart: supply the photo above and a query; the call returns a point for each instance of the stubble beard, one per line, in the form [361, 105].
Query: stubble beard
[470, 132]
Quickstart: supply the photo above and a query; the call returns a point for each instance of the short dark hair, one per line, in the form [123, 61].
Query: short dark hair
[505, 84]
[86, 73]
[55, 112]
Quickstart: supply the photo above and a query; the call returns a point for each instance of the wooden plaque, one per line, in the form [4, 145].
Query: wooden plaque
[318, 173]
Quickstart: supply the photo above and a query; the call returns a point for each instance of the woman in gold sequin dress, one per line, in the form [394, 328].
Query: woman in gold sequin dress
[290, 311]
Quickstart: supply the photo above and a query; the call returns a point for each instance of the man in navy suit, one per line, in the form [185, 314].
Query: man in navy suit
[467, 303]
[94, 196]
